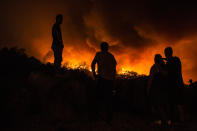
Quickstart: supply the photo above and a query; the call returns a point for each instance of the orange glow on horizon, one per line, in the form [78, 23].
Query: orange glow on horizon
[83, 59]
[80, 58]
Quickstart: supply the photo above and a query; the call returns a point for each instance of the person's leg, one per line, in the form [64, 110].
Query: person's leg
[168, 114]
[157, 115]
[172, 112]
[163, 114]
[55, 57]
[96, 100]
[180, 105]
[109, 100]
[181, 113]
[61, 51]
[172, 104]
[59, 57]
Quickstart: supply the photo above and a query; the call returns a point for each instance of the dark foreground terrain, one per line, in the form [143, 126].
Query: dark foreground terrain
[35, 98]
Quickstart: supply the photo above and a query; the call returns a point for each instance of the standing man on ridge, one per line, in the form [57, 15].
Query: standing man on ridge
[106, 64]
[57, 45]
[176, 85]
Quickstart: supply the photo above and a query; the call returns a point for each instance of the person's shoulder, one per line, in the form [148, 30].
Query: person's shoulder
[153, 67]
[55, 25]
[176, 59]
[110, 54]
[98, 53]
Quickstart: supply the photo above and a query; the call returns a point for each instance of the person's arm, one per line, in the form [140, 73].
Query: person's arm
[161, 69]
[93, 66]
[57, 34]
[179, 73]
[151, 77]
[59, 37]
[115, 63]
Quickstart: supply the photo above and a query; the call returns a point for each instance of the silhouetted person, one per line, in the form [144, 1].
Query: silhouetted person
[190, 81]
[176, 84]
[57, 45]
[157, 90]
[106, 64]
[192, 84]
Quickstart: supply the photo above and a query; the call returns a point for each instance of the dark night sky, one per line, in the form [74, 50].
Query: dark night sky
[133, 29]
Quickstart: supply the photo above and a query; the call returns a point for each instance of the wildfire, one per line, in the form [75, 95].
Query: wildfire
[128, 62]
[82, 60]
[76, 66]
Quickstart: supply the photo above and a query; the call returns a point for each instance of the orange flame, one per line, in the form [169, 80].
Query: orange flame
[81, 58]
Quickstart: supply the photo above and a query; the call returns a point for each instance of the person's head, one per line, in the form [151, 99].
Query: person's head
[104, 46]
[158, 59]
[59, 19]
[168, 52]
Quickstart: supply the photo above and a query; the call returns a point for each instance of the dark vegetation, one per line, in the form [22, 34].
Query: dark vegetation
[34, 97]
